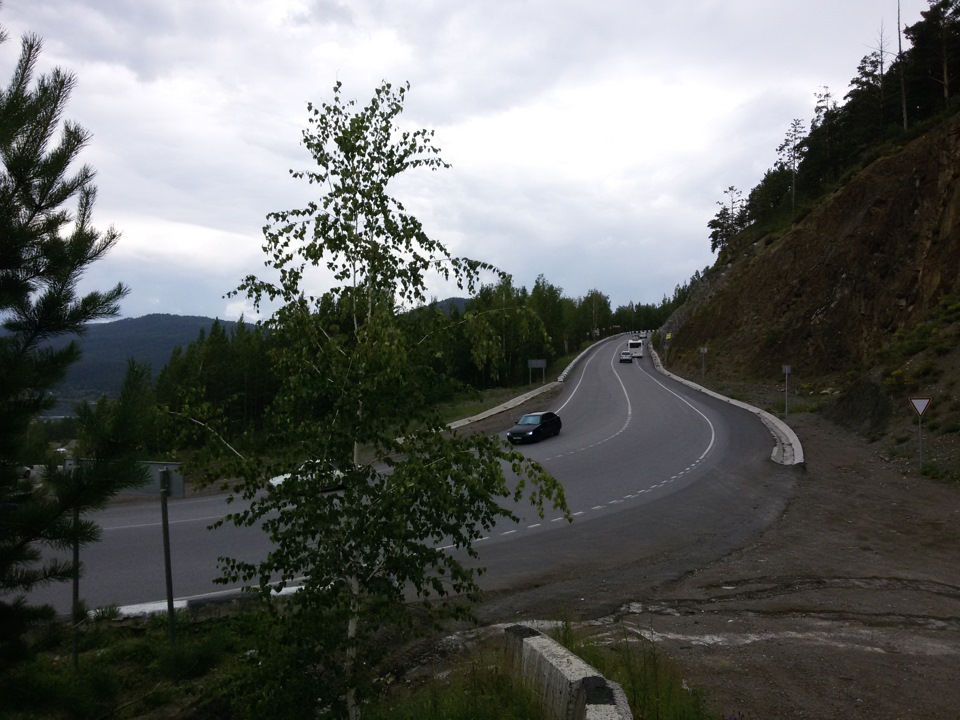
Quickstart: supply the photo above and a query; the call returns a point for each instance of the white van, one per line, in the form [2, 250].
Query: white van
[636, 347]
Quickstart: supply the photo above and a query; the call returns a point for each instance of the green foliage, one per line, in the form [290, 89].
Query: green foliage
[36, 448]
[125, 426]
[505, 332]
[87, 694]
[476, 689]
[940, 472]
[224, 381]
[46, 249]
[730, 220]
[914, 358]
[356, 373]
[126, 669]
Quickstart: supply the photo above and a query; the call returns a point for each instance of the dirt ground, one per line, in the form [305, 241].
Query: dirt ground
[847, 607]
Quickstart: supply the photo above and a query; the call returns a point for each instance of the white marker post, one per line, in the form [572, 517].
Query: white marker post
[920, 405]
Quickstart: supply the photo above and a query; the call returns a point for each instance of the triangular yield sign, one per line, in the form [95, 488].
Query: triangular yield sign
[920, 405]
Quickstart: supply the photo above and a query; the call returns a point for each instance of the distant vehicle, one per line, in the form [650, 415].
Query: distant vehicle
[534, 427]
[305, 471]
[636, 347]
[626, 356]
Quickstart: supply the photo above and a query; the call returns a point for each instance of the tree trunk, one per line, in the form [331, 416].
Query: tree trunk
[353, 710]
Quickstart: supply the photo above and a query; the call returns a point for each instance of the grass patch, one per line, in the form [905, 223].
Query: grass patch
[126, 668]
[468, 404]
[940, 472]
[476, 688]
[652, 683]
[472, 402]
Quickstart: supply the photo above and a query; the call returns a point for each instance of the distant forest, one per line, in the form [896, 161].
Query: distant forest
[894, 96]
[108, 346]
[229, 369]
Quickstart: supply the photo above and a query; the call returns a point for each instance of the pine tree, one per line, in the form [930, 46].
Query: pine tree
[44, 249]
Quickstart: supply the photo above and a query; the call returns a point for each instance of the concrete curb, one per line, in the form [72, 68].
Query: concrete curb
[526, 396]
[568, 688]
[505, 406]
[787, 451]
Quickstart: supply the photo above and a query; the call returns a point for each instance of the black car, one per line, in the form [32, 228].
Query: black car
[534, 427]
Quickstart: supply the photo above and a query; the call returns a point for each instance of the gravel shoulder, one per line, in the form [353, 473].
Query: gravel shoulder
[846, 606]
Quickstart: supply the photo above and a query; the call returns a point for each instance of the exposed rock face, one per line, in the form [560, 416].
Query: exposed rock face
[871, 259]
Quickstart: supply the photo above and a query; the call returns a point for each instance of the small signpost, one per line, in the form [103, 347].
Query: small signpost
[786, 390]
[168, 573]
[703, 362]
[541, 365]
[920, 405]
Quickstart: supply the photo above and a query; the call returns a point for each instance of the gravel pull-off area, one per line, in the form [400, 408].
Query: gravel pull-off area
[847, 607]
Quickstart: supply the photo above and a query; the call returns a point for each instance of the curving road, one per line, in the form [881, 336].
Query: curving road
[659, 479]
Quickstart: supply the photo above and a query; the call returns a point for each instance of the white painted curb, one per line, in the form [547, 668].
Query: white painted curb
[788, 450]
[568, 688]
[513, 402]
[527, 396]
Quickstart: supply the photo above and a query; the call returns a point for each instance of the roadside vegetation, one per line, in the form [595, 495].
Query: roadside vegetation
[127, 669]
[652, 682]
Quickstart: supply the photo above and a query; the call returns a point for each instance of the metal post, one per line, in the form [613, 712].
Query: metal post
[920, 429]
[165, 523]
[75, 607]
[920, 405]
[786, 391]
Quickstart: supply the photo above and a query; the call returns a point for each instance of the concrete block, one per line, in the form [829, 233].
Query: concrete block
[569, 688]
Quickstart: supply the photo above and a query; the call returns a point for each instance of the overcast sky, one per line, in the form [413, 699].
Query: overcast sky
[589, 139]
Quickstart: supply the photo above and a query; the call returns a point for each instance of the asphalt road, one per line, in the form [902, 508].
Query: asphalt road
[656, 476]
[660, 479]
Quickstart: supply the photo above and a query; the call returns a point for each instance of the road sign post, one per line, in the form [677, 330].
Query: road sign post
[786, 390]
[920, 405]
[703, 362]
[539, 364]
[168, 572]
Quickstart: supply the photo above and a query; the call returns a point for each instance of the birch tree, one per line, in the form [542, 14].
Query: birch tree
[352, 412]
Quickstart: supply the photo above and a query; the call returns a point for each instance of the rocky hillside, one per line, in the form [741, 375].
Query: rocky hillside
[861, 296]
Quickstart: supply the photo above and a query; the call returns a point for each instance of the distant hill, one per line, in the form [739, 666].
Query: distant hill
[459, 303]
[150, 339]
[107, 346]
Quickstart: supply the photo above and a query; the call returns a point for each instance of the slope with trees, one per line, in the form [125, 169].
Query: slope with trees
[856, 291]
[889, 102]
